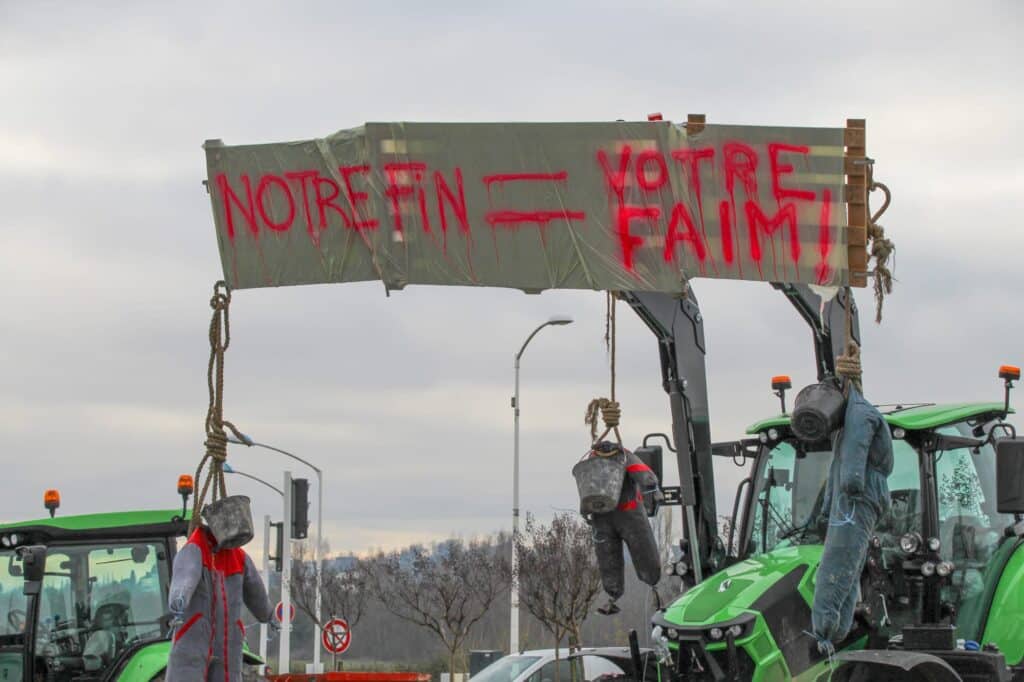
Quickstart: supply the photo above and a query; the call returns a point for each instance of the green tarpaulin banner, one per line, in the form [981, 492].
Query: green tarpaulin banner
[640, 206]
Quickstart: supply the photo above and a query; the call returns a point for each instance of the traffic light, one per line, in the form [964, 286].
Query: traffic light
[278, 556]
[300, 508]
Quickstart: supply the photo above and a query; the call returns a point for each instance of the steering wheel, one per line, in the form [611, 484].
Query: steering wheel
[16, 618]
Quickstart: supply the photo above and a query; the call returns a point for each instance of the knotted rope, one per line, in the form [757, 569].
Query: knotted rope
[608, 408]
[216, 439]
[848, 364]
[881, 247]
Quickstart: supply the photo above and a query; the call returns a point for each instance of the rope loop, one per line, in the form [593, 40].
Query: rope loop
[848, 365]
[608, 408]
[610, 412]
[216, 442]
[881, 248]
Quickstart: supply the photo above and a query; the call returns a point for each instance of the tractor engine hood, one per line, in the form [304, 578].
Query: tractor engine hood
[752, 615]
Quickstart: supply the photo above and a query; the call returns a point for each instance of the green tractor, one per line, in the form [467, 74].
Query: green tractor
[942, 592]
[85, 597]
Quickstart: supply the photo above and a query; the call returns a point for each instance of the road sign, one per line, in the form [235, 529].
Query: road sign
[336, 636]
[279, 613]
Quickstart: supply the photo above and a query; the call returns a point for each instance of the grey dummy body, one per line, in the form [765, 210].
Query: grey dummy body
[206, 598]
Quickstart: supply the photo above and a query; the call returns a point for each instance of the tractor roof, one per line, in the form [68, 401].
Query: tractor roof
[912, 417]
[160, 523]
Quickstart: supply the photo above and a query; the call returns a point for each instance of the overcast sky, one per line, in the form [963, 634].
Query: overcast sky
[108, 252]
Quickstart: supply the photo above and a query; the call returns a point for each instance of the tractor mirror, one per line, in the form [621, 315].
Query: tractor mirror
[651, 455]
[778, 478]
[14, 566]
[1010, 476]
[33, 566]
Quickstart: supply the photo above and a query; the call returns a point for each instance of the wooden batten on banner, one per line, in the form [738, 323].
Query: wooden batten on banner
[695, 123]
[856, 169]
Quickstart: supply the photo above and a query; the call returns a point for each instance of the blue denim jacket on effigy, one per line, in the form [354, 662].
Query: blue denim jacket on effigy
[856, 496]
[863, 457]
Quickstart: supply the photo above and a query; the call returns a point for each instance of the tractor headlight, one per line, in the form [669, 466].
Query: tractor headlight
[672, 633]
[681, 568]
[716, 634]
[944, 568]
[773, 434]
[670, 569]
[656, 634]
[910, 543]
[5, 540]
[736, 631]
[763, 437]
[934, 544]
[927, 569]
[899, 434]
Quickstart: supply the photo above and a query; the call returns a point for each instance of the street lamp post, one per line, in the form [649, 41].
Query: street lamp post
[514, 638]
[317, 560]
[264, 632]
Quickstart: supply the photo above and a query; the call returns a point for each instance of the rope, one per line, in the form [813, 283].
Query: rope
[608, 408]
[881, 247]
[216, 439]
[848, 364]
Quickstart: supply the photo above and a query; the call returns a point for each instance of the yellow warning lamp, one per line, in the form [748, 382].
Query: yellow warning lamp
[1009, 374]
[185, 488]
[51, 500]
[781, 384]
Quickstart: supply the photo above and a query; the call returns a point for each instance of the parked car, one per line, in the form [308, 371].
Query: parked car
[604, 664]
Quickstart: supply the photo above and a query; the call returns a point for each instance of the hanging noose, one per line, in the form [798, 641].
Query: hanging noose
[848, 364]
[216, 439]
[882, 247]
[608, 408]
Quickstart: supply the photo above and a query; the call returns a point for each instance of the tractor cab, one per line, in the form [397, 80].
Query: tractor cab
[942, 564]
[943, 520]
[81, 597]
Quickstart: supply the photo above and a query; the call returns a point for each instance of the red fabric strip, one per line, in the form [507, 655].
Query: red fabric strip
[184, 628]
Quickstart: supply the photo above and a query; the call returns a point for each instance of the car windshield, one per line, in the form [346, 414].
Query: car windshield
[505, 669]
[97, 601]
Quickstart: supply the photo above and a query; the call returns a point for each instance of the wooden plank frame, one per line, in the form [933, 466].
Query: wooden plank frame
[695, 123]
[855, 165]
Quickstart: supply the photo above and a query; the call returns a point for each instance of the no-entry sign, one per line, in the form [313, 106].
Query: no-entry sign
[279, 613]
[336, 636]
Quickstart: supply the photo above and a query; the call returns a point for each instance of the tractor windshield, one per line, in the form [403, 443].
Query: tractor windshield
[98, 601]
[12, 616]
[790, 486]
[786, 496]
[970, 528]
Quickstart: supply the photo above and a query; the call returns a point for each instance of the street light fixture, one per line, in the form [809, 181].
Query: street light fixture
[317, 559]
[557, 320]
[228, 469]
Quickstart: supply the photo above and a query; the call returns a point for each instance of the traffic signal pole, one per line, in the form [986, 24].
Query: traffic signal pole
[266, 581]
[284, 651]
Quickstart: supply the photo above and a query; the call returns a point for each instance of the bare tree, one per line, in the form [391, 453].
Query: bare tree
[446, 591]
[558, 575]
[343, 590]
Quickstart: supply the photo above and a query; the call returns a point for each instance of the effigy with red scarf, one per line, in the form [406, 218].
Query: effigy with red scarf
[208, 588]
[628, 524]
